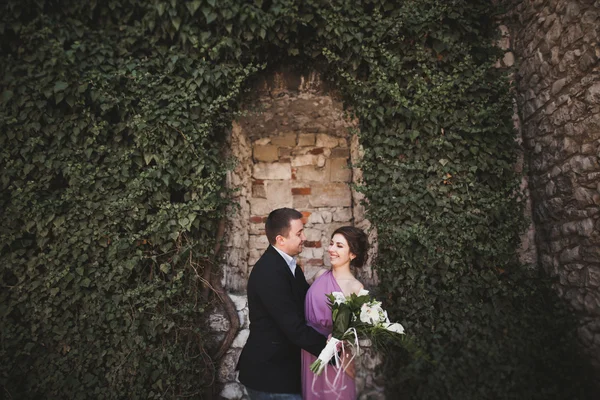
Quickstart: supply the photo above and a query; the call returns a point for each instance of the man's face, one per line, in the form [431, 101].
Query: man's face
[292, 244]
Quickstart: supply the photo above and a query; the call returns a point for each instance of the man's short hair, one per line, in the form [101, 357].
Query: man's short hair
[279, 223]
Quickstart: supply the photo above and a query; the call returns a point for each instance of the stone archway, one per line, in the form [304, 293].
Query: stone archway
[295, 147]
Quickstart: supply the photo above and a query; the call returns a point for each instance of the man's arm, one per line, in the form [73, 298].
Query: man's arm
[278, 299]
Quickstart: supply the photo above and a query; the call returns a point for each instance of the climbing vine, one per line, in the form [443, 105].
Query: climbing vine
[114, 120]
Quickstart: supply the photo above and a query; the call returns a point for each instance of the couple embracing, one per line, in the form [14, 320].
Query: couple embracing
[290, 321]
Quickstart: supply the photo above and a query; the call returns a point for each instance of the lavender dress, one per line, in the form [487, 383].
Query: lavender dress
[318, 316]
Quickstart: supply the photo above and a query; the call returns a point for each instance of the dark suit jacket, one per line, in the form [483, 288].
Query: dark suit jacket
[270, 360]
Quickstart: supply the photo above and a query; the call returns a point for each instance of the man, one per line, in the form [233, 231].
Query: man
[270, 361]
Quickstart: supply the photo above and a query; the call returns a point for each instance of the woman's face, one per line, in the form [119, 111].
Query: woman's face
[339, 251]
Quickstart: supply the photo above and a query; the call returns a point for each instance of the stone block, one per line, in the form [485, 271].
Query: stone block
[241, 302]
[324, 140]
[281, 171]
[313, 234]
[327, 216]
[279, 194]
[339, 170]
[218, 322]
[300, 202]
[306, 139]
[258, 191]
[285, 140]
[321, 160]
[232, 391]
[240, 339]
[318, 253]
[258, 242]
[340, 153]
[227, 372]
[259, 206]
[330, 195]
[342, 215]
[316, 218]
[306, 159]
[311, 173]
[266, 153]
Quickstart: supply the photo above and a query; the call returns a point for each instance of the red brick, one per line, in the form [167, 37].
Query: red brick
[305, 215]
[316, 244]
[300, 191]
[315, 151]
[314, 261]
[258, 181]
[257, 219]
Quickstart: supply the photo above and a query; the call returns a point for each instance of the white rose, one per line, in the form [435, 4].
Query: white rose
[363, 292]
[339, 297]
[369, 314]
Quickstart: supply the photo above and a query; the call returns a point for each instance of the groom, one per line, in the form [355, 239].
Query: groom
[270, 361]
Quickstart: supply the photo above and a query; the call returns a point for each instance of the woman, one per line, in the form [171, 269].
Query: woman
[348, 247]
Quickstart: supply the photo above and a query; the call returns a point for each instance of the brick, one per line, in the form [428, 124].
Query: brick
[257, 220]
[272, 171]
[316, 243]
[314, 261]
[316, 150]
[267, 153]
[306, 139]
[300, 191]
[287, 139]
[285, 152]
[305, 215]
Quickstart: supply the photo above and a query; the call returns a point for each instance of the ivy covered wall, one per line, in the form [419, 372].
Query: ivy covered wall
[113, 118]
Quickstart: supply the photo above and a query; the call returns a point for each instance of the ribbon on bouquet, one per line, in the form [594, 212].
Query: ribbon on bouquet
[331, 351]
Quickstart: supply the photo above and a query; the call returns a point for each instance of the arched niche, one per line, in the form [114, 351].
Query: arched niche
[294, 147]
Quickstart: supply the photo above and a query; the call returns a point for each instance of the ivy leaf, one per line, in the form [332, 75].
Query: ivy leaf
[193, 6]
[176, 21]
[7, 95]
[60, 86]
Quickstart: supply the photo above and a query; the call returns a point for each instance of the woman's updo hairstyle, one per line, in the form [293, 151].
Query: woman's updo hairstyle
[358, 242]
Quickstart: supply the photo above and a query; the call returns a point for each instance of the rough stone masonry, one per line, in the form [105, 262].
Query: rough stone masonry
[557, 47]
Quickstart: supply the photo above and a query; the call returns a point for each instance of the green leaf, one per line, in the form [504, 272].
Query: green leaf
[7, 95]
[193, 6]
[59, 86]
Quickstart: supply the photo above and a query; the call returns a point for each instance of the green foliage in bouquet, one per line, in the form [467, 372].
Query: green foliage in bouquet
[114, 117]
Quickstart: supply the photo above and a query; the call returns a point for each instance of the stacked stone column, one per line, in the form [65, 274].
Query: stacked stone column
[558, 83]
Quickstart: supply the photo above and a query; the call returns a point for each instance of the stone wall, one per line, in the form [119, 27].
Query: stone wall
[557, 48]
[295, 147]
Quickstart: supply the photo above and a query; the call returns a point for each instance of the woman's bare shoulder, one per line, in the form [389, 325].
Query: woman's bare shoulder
[356, 286]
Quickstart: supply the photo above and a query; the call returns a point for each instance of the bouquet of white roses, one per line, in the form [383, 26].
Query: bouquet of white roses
[355, 317]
